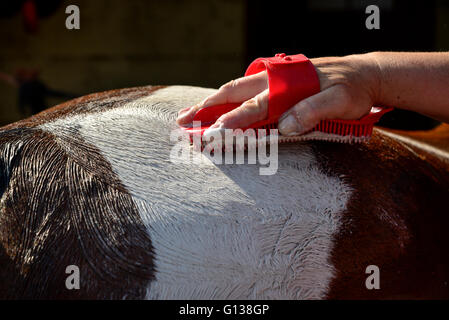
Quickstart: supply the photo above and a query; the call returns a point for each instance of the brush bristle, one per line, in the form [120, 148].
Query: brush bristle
[331, 130]
[326, 130]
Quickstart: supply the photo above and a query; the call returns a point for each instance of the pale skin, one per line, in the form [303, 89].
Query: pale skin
[349, 86]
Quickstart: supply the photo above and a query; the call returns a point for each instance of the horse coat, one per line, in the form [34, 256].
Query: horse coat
[90, 183]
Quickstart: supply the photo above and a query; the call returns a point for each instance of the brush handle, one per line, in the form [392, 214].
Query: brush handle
[290, 80]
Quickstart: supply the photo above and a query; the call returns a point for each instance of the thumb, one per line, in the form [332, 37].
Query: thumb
[307, 113]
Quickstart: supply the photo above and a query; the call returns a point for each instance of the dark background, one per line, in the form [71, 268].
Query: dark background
[201, 43]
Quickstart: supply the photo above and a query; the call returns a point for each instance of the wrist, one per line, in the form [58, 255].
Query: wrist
[369, 72]
[361, 72]
[373, 61]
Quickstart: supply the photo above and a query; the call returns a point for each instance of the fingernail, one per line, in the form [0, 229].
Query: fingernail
[183, 115]
[182, 111]
[181, 120]
[216, 131]
[185, 111]
[289, 125]
[284, 115]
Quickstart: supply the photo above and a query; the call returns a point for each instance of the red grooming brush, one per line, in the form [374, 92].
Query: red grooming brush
[290, 80]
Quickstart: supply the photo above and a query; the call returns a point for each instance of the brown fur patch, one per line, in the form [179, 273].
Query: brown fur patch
[396, 219]
[438, 137]
[61, 204]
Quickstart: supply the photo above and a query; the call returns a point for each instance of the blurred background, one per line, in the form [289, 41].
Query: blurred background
[190, 42]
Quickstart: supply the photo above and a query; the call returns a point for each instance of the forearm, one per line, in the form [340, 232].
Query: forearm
[349, 87]
[414, 81]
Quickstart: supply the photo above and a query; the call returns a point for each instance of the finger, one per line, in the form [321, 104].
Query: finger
[182, 111]
[306, 114]
[186, 115]
[238, 90]
[249, 112]
[232, 92]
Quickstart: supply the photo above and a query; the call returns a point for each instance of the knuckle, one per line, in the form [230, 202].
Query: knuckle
[229, 85]
[346, 96]
[251, 102]
[305, 112]
[345, 99]
[344, 93]
[224, 120]
[260, 100]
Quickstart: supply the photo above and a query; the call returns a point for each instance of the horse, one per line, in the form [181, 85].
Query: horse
[90, 184]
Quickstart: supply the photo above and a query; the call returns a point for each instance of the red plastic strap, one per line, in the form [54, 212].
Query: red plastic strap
[290, 80]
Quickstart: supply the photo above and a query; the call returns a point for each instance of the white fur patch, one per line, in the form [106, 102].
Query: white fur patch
[219, 231]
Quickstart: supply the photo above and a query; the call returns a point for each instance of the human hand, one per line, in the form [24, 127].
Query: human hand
[349, 86]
